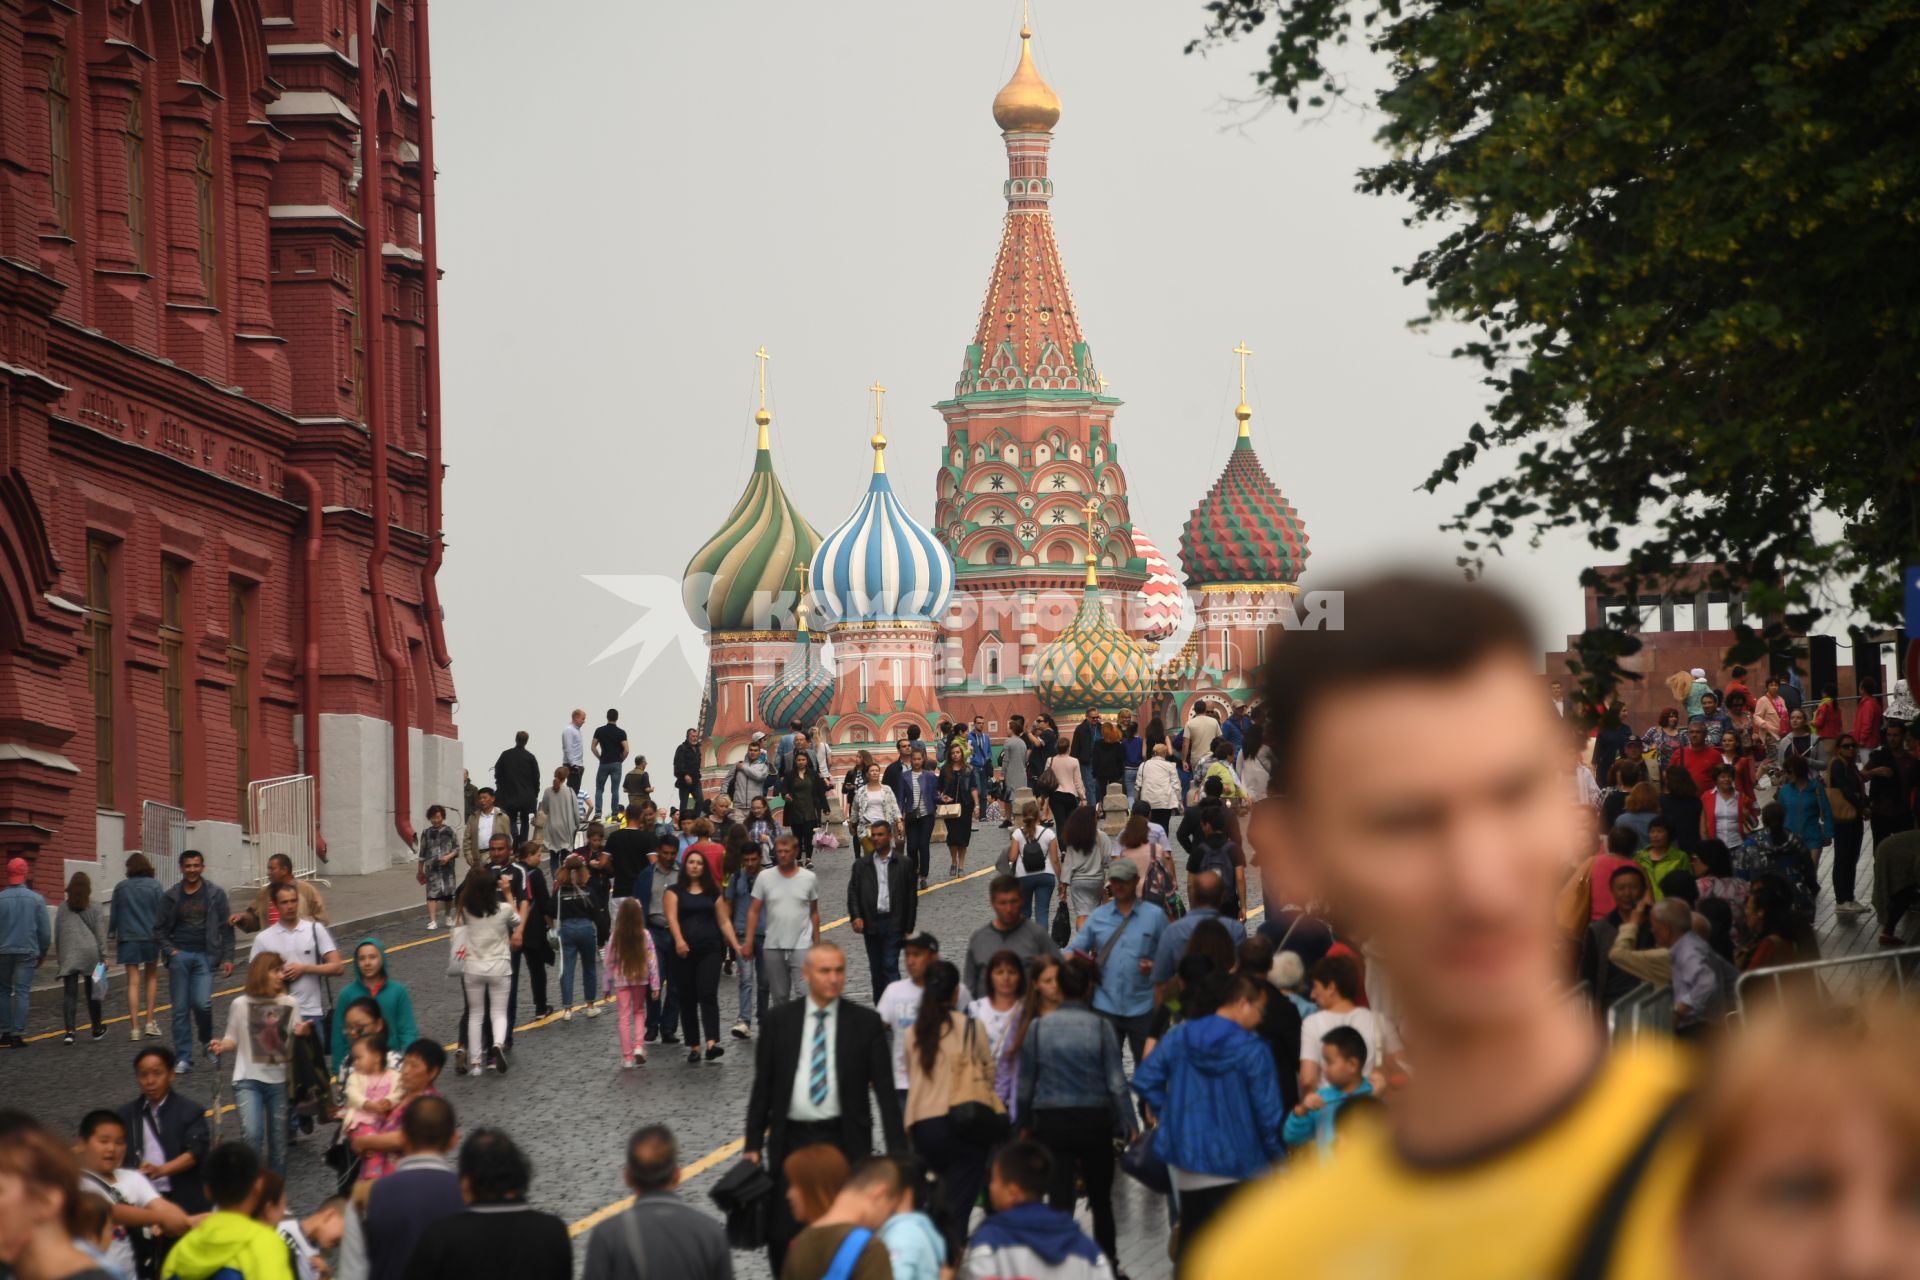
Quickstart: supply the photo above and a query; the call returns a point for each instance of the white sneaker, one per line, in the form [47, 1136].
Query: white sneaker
[432, 925]
[593, 1011]
[133, 1032]
[741, 1031]
[639, 1057]
[566, 1014]
[1851, 908]
[476, 1071]
[153, 1029]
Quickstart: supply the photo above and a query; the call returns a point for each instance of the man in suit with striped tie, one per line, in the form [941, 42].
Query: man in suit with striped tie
[815, 1065]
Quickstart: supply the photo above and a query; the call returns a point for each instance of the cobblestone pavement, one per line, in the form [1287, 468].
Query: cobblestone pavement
[566, 1098]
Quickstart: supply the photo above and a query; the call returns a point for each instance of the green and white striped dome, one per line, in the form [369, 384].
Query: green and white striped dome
[743, 578]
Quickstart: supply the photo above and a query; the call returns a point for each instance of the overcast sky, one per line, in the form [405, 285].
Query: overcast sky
[633, 197]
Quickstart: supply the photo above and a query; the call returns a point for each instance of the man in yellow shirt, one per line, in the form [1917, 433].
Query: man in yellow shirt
[1417, 790]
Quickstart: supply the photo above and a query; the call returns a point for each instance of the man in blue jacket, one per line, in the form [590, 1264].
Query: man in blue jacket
[1122, 936]
[1211, 1085]
[25, 935]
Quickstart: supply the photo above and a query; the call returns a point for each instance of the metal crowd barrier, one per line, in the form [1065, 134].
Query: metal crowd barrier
[163, 838]
[1644, 1011]
[1903, 959]
[284, 821]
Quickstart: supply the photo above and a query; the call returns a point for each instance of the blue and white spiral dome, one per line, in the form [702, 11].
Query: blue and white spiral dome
[881, 565]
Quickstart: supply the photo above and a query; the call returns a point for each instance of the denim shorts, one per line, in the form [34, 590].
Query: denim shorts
[136, 952]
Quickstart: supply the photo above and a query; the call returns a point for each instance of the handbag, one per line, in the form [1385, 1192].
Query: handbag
[976, 1110]
[947, 810]
[457, 951]
[1144, 1165]
[1843, 810]
[743, 1194]
[1062, 924]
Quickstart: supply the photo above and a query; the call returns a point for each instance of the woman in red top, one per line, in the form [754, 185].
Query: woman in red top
[1777, 937]
[1866, 720]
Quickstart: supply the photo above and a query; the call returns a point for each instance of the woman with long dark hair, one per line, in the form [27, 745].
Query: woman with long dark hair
[1775, 936]
[1042, 998]
[486, 970]
[806, 793]
[958, 786]
[79, 943]
[1847, 795]
[998, 1013]
[946, 1047]
[1680, 806]
[1084, 850]
[693, 917]
[1066, 790]
[1074, 1100]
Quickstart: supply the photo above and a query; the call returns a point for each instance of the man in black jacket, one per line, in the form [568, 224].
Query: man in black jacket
[516, 777]
[816, 1063]
[167, 1135]
[883, 905]
[686, 774]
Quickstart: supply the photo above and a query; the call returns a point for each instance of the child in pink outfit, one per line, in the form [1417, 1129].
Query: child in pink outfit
[632, 972]
[372, 1087]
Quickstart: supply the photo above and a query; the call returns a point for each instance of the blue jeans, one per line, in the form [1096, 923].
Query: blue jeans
[883, 953]
[982, 779]
[1132, 784]
[190, 988]
[609, 774]
[1036, 896]
[264, 1119]
[663, 1010]
[750, 977]
[16, 980]
[1087, 785]
[579, 942]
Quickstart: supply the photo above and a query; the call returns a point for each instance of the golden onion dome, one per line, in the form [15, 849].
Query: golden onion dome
[1027, 104]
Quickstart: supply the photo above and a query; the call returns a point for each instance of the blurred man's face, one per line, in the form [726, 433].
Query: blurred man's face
[104, 1151]
[1431, 816]
[826, 974]
[1342, 1072]
[155, 1078]
[1697, 736]
[1626, 894]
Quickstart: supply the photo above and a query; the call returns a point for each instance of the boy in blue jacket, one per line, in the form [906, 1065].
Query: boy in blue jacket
[1212, 1085]
[1343, 1075]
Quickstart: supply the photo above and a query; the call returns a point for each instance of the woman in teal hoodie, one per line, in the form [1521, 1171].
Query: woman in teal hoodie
[372, 982]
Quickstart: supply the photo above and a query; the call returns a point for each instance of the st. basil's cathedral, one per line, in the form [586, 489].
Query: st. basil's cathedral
[1033, 588]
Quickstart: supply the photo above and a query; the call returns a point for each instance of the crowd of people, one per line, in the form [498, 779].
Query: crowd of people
[1357, 1044]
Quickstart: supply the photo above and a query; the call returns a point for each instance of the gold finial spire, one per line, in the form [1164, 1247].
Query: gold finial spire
[1027, 104]
[800, 606]
[1241, 410]
[879, 441]
[1093, 576]
[760, 416]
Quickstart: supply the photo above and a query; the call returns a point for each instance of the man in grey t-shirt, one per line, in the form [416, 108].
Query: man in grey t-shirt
[787, 900]
[1009, 930]
[661, 1235]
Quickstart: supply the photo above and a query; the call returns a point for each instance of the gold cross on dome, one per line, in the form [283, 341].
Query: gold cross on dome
[878, 391]
[762, 356]
[1243, 351]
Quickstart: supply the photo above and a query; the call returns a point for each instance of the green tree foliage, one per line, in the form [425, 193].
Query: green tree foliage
[1687, 236]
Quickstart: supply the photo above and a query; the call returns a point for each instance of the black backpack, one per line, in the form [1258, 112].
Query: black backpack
[1033, 858]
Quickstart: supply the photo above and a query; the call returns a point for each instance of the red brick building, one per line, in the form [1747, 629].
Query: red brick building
[219, 425]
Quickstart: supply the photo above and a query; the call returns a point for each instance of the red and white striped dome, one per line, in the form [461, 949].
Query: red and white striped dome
[1162, 599]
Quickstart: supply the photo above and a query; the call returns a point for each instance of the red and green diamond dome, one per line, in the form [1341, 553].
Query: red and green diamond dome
[1244, 532]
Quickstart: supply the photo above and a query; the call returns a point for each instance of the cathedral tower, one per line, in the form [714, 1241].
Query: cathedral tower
[1029, 444]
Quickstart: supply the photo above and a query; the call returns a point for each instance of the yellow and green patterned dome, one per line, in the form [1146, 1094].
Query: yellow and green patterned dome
[742, 579]
[1093, 665]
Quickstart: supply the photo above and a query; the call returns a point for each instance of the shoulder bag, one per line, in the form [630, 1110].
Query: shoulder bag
[457, 951]
[975, 1108]
[847, 1256]
[1843, 810]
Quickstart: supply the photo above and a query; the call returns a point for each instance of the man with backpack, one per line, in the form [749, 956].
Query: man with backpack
[1205, 889]
[1009, 930]
[1215, 850]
